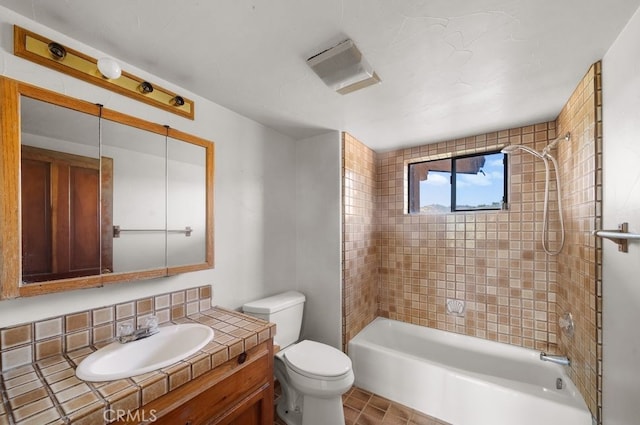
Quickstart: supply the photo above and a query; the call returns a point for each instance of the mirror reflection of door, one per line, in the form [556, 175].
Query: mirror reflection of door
[60, 190]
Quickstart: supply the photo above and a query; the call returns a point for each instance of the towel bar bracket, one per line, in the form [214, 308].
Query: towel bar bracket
[623, 244]
[620, 237]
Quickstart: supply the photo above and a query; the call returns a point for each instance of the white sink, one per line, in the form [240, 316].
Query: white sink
[116, 361]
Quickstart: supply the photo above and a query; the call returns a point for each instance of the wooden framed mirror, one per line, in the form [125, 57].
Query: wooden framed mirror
[92, 196]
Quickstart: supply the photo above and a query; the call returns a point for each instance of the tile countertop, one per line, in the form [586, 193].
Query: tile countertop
[48, 392]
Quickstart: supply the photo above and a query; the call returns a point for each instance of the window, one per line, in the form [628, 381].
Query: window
[465, 183]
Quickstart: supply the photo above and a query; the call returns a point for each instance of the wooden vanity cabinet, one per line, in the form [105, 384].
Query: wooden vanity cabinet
[238, 392]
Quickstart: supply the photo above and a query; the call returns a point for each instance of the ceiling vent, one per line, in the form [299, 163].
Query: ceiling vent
[343, 68]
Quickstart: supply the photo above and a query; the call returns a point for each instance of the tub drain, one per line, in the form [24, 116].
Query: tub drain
[559, 383]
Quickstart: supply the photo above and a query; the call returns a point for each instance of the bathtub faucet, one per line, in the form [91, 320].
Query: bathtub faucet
[561, 360]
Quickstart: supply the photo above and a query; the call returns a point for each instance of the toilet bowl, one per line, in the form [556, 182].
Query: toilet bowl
[313, 376]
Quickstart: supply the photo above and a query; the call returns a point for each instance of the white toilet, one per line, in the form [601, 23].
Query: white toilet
[313, 376]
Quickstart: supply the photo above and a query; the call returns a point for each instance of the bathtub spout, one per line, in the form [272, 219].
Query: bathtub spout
[561, 360]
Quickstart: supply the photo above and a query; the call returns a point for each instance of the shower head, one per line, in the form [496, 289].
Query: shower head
[513, 148]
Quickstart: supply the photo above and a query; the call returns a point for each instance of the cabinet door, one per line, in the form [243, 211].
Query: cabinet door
[244, 396]
[253, 410]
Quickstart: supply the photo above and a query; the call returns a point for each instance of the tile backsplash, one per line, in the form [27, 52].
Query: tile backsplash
[31, 342]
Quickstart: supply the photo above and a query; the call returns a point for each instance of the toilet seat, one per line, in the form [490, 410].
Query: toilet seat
[317, 361]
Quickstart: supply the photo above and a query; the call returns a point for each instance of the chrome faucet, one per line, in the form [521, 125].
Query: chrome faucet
[126, 332]
[561, 360]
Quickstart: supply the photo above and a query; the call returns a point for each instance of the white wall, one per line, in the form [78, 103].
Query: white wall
[319, 235]
[621, 190]
[254, 192]
[186, 188]
[138, 203]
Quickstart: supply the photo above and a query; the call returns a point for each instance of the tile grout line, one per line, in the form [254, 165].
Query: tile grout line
[5, 401]
[49, 391]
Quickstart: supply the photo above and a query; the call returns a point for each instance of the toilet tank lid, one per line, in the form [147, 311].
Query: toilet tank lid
[274, 303]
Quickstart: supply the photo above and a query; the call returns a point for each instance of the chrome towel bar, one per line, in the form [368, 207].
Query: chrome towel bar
[620, 236]
[117, 231]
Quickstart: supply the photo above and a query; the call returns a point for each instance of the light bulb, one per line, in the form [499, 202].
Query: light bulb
[109, 68]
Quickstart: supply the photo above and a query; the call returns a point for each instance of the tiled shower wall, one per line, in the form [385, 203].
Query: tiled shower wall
[492, 260]
[579, 275]
[360, 262]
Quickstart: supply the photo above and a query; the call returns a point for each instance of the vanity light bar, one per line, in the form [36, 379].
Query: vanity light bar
[41, 50]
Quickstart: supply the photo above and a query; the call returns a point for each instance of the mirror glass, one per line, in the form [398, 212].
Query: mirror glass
[138, 191]
[60, 192]
[96, 196]
[186, 203]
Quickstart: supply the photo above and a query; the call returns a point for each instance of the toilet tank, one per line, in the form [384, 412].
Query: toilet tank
[285, 310]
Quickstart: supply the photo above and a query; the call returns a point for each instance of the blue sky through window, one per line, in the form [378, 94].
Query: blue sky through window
[484, 189]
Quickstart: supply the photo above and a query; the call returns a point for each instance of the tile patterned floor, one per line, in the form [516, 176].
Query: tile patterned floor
[364, 408]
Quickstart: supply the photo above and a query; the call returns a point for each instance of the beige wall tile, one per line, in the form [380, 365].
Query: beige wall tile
[48, 328]
[103, 315]
[48, 348]
[579, 265]
[125, 310]
[77, 321]
[144, 306]
[15, 336]
[16, 357]
[360, 257]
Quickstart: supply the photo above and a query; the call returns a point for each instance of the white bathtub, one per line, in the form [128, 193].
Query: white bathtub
[463, 380]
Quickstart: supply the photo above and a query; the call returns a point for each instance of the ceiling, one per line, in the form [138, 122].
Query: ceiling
[449, 68]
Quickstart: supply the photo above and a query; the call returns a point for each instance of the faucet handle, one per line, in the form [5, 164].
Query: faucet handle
[125, 329]
[151, 323]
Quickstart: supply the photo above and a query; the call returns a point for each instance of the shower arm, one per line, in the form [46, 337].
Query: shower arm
[552, 145]
[546, 152]
[513, 148]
